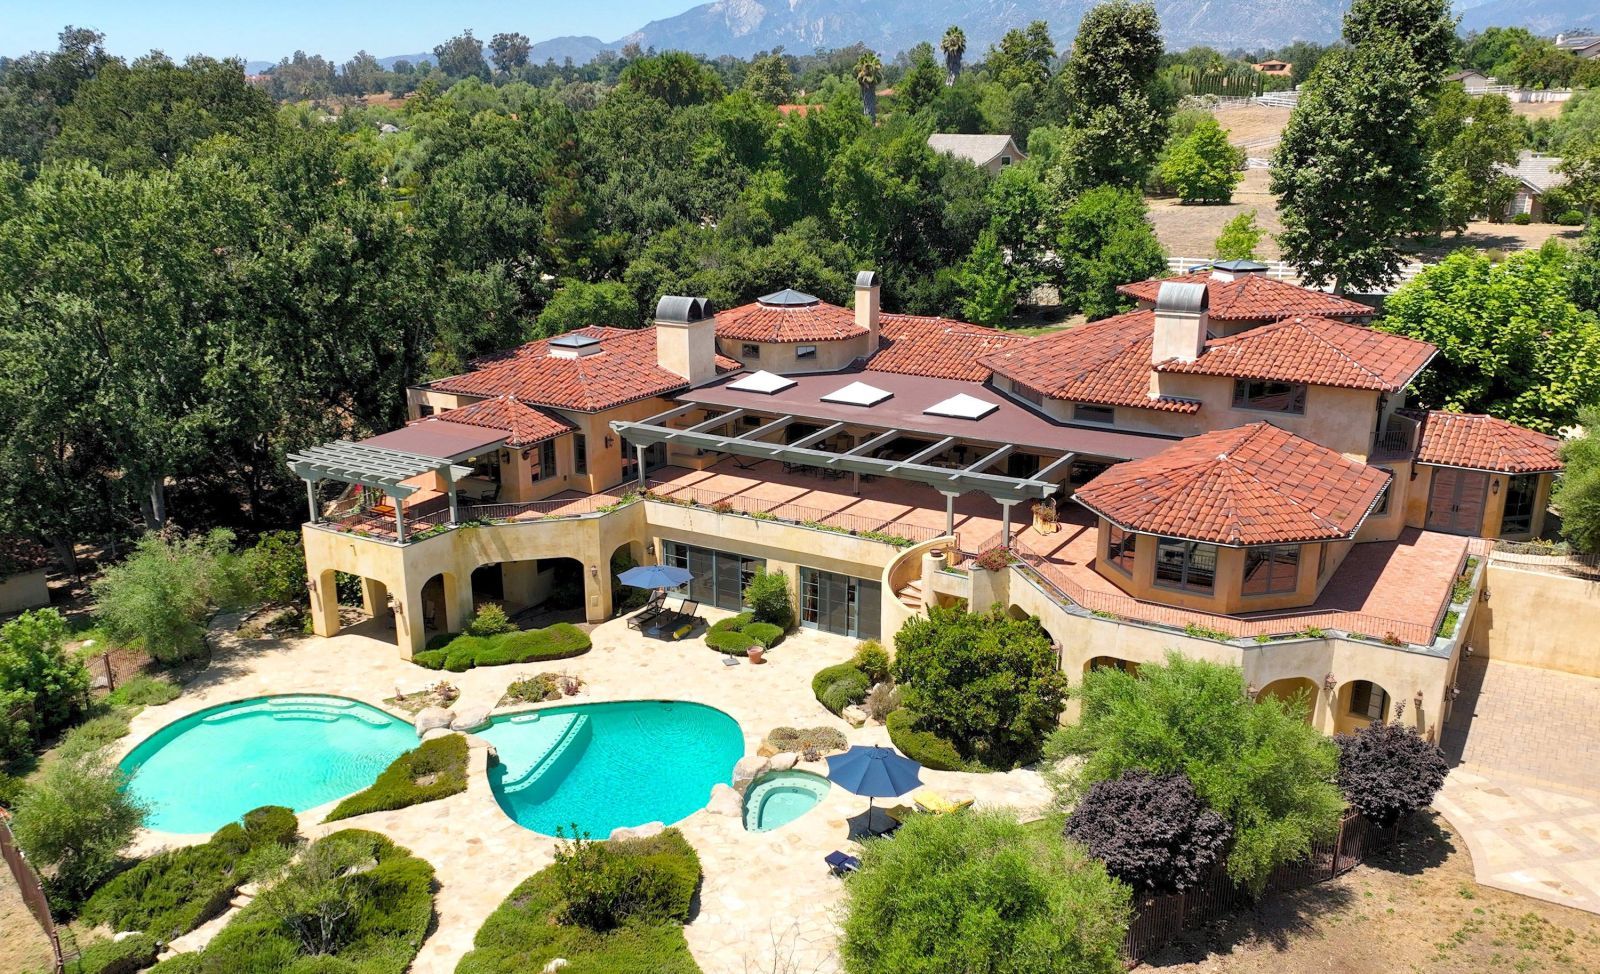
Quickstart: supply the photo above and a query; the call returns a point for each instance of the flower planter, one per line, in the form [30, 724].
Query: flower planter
[756, 654]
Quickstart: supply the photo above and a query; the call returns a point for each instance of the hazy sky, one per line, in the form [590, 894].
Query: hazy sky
[265, 30]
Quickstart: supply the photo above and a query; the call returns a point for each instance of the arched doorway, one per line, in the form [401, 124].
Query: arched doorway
[1111, 663]
[1359, 703]
[1295, 690]
[445, 605]
[625, 598]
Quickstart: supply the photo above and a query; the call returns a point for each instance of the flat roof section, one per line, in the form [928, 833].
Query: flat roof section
[1010, 423]
[439, 438]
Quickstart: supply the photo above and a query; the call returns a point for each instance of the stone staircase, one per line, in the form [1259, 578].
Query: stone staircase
[197, 938]
[911, 595]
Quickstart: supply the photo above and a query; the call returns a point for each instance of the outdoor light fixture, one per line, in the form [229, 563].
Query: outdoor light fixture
[1329, 682]
[1494, 486]
[608, 441]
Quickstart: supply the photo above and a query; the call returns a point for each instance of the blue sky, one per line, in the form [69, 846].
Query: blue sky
[265, 30]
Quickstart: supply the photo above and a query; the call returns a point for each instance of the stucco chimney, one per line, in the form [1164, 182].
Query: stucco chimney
[1181, 321]
[686, 338]
[867, 298]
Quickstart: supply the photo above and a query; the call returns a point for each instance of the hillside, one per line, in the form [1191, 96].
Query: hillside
[1539, 16]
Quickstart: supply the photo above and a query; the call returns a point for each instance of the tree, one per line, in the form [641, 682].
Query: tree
[274, 568]
[1387, 771]
[922, 83]
[1239, 238]
[1104, 240]
[1151, 831]
[1023, 57]
[1204, 167]
[1470, 137]
[35, 88]
[978, 892]
[1116, 108]
[677, 78]
[461, 57]
[578, 304]
[1258, 764]
[770, 79]
[989, 290]
[1584, 274]
[1424, 29]
[74, 820]
[868, 73]
[767, 595]
[1511, 341]
[162, 594]
[33, 663]
[1577, 490]
[953, 44]
[1582, 169]
[985, 681]
[303, 77]
[509, 51]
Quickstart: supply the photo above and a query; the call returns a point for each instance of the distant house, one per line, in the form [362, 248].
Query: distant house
[988, 152]
[1536, 175]
[800, 110]
[1586, 46]
[1470, 79]
[1276, 69]
[22, 575]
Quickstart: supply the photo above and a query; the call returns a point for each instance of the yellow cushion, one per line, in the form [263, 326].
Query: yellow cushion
[931, 801]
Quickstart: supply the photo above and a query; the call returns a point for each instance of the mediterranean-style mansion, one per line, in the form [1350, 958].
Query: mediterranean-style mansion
[1230, 470]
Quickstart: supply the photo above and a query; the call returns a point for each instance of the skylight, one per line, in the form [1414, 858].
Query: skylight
[574, 341]
[962, 406]
[763, 382]
[857, 394]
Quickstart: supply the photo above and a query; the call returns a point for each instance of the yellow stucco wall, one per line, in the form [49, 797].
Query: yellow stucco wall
[23, 591]
[779, 357]
[1539, 619]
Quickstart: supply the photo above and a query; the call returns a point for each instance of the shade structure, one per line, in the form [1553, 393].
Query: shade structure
[874, 772]
[655, 576]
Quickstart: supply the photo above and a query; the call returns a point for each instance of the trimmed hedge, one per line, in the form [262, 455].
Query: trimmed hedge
[126, 956]
[765, 633]
[733, 623]
[173, 892]
[730, 641]
[837, 687]
[924, 747]
[443, 757]
[560, 641]
[525, 932]
[736, 635]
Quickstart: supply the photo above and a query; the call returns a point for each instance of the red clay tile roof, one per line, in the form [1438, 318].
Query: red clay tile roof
[817, 321]
[1250, 485]
[1314, 350]
[1252, 297]
[623, 371]
[1106, 362]
[19, 556]
[526, 424]
[939, 348]
[1484, 443]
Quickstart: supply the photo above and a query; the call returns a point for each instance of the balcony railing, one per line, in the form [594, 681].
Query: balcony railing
[1398, 438]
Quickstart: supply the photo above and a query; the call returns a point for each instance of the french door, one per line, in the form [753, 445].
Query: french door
[1456, 500]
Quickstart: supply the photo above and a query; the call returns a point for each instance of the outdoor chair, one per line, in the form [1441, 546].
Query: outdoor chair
[839, 863]
[928, 800]
[687, 612]
[650, 613]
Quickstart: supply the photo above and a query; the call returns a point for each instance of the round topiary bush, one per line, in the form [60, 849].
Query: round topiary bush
[850, 688]
[922, 746]
[765, 633]
[731, 642]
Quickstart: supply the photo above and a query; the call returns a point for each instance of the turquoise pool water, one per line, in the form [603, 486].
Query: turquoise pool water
[201, 772]
[608, 765]
[778, 798]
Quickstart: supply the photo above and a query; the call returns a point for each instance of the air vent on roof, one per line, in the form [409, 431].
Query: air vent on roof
[857, 394]
[788, 298]
[962, 406]
[574, 346]
[763, 382]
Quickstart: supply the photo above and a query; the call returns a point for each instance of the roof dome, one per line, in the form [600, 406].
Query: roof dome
[788, 298]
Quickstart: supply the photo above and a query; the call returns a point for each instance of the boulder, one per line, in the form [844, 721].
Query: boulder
[747, 770]
[854, 715]
[555, 965]
[470, 719]
[725, 801]
[783, 762]
[644, 831]
[436, 732]
[430, 717]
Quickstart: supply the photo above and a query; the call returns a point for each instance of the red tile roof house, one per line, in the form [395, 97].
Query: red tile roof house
[1231, 468]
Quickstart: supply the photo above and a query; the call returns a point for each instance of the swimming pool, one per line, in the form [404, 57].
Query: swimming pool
[604, 766]
[205, 770]
[779, 797]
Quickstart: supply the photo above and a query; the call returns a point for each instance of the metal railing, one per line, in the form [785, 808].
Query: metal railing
[1398, 438]
[888, 530]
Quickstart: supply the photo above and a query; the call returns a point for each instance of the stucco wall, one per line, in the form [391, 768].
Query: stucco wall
[24, 591]
[1539, 619]
[779, 357]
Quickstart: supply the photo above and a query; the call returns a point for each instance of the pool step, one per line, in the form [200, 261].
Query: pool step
[306, 715]
[557, 749]
[302, 708]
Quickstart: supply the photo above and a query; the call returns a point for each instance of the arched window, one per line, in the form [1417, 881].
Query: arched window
[1369, 700]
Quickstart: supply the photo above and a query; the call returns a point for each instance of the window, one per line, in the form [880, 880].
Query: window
[1190, 565]
[1119, 548]
[1026, 392]
[749, 351]
[1271, 569]
[424, 410]
[1368, 700]
[720, 577]
[839, 604]
[1521, 492]
[805, 351]
[580, 453]
[1005, 160]
[1276, 397]
[1094, 414]
[1382, 506]
[547, 461]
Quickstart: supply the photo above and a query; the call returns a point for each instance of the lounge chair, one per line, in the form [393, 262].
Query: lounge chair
[687, 613]
[840, 864]
[650, 613]
[928, 800]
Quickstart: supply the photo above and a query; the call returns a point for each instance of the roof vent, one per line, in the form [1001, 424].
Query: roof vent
[1228, 270]
[676, 309]
[857, 394]
[574, 345]
[788, 298]
[1181, 297]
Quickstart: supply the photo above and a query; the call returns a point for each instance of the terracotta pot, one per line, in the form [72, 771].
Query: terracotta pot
[755, 654]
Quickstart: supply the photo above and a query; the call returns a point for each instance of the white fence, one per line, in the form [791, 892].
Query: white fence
[1526, 95]
[1278, 99]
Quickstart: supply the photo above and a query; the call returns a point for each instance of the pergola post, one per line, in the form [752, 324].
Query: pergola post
[311, 500]
[638, 451]
[399, 517]
[455, 505]
[1005, 532]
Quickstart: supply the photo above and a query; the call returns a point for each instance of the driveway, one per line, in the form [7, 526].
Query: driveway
[1525, 789]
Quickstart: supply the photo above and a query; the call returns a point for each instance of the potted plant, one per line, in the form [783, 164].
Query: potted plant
[1044, 516]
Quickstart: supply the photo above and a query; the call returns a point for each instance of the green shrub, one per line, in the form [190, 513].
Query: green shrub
[830, 675]
[922, 746]
[765, 633]
[271, 824]
[16, 726]
[11, 789]
[76, 819]
[849, 689]
[36, 673]
[807, 739]
[162, 594]
[460, 653]
[733, 623]
[490, 620]
[873, 660]
[126, 956]
[93, 734]
[432, 659]
[731, 642]
[1571, 218]
[144, 691]
[980, 892]
[767, 595]
[274, 568]
[434, 769]
[647, 884]
[1522, 219]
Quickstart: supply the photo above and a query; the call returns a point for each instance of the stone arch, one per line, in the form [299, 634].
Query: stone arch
[1016, 612]
[445, 604]
[1293, 687]
[1359, 703]
[1127, 666]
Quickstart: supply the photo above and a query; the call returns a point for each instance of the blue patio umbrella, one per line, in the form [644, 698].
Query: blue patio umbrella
[655, 576]
[874, 772]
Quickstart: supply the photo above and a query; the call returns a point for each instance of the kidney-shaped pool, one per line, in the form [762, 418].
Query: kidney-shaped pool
[205, 770]
[603, 766]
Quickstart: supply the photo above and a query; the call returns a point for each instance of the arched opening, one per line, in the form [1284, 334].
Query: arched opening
[1111, 663]
[488, 584]
[444, 605]
[626, 598]
[1015, 612]
[1360, 702]
[1296, 691]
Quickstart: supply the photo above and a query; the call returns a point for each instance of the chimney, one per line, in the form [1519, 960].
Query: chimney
[867, 298]
[1181, 321]
[686, 338]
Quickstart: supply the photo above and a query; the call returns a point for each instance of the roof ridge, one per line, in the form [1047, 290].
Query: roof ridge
[1337, 348]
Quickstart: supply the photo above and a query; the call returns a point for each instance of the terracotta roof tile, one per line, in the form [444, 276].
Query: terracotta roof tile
[525, 424]
[20, 555]
[1250, 485]
[623, 371]
[817, 321]
[939, 348]
[1105, 361]
[1314, 350]
[1484, 443]
[1252, 297]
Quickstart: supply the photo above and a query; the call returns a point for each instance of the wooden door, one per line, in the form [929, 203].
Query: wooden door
[1456, 500]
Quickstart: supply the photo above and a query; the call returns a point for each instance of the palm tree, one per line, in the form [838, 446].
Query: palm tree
[953, 45]
[869, 71]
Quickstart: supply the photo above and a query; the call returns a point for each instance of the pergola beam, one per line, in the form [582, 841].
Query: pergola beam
[925, 454]
[1055, 466]
[780, 423]
[713, 422]
[872, 444]
[670, 414]
[816, 437]
[990, 460]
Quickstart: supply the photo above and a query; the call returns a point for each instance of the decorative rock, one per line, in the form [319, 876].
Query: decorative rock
[470, 718]
[854, 716]
[747, 770]
[431, 717]
[644, 831]
[783, 762]
[725, 801]
[555, 965]
[436, 732]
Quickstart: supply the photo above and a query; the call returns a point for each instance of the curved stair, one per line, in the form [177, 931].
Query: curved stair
[561, 742]
[911, 595]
